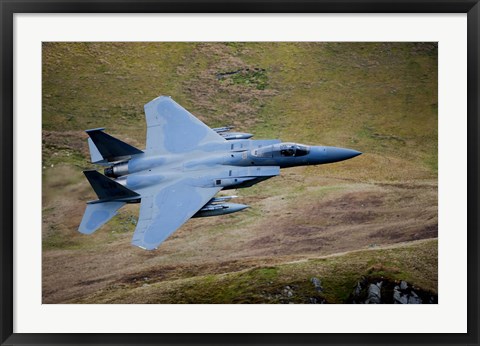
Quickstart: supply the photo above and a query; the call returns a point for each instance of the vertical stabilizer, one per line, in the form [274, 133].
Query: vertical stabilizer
[109, 148]
[95, 155]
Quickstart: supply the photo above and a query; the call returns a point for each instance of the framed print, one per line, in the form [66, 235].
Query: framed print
[239, 173]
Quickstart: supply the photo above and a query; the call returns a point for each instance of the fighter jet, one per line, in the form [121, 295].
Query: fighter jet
[184, 165]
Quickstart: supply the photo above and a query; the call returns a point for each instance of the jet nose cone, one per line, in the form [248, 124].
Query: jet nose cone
[340, 154]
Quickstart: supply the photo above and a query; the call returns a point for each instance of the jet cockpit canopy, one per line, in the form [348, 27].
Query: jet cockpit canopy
[282, 150]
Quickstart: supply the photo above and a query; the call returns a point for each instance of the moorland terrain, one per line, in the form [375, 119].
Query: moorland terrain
[374, 216]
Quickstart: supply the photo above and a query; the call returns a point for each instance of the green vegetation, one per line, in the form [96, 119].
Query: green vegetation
[338, 276]
[257, 77]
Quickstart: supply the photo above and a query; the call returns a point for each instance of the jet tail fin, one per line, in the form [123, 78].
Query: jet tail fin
[95, 156]
[108, 189]
[105, 148]
[96, 215]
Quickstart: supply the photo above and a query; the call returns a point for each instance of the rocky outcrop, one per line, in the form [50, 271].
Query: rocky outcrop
[404, 294]
[383, 291]
[368, 290]
[288, 292]
[374, 293]
[317, 284]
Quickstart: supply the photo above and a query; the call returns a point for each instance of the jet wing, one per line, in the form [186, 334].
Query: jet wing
[172, 129]
[164, 210]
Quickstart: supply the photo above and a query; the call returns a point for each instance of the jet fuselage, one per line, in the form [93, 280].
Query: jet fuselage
[183, 166]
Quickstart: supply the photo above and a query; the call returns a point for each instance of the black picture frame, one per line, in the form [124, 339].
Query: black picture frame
[9, 7]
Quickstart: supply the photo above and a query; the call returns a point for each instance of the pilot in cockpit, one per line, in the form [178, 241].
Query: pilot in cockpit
[288, 151]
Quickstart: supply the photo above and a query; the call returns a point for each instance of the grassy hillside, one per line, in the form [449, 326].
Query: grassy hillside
[412, 262]
[378, 98]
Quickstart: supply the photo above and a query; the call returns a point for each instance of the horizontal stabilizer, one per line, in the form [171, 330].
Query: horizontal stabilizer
[110, 148]
[108, 189]
[96, 215]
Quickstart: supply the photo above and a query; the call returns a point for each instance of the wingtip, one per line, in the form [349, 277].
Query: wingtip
[96, 129]
[144, 247]
[138, 242]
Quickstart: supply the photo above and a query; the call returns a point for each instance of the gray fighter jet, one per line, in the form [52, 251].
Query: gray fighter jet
[184, 165]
